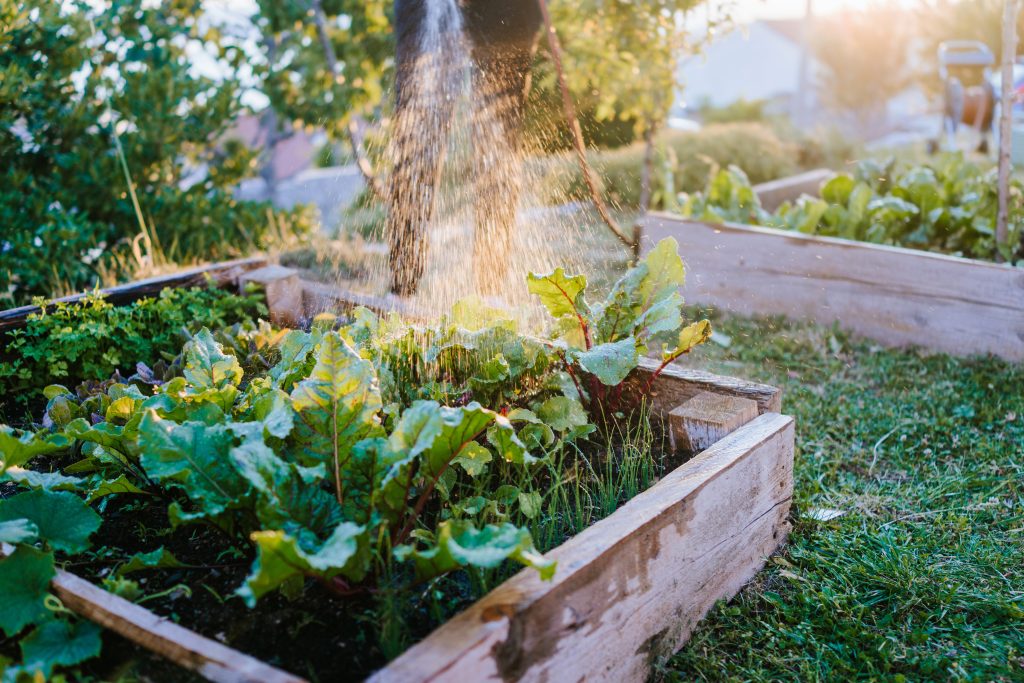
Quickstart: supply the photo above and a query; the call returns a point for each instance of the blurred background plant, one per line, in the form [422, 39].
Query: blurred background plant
[109, 138]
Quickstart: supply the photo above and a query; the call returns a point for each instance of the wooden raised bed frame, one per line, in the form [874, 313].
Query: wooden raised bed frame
[629, 590]
[896, 296]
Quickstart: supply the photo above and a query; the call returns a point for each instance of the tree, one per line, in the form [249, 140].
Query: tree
[109, 146]
[863, 58]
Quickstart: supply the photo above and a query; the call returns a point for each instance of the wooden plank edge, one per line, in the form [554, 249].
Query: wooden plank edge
[222, 273]
[804, 239]
[318, 297]
[677, 384]
[475, 639]
[209, 658]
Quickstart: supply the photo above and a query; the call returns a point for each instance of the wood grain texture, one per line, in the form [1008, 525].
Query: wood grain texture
[706, 418]
[898, 297]
[630, 589]
[676, 385]
[208, 658]
[222, 274]
[774, 192]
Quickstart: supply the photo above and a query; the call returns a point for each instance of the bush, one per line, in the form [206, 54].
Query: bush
[63, 343]
[683, 158]
[117, 99]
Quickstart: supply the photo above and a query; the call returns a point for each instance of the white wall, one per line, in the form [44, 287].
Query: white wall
[751, 62]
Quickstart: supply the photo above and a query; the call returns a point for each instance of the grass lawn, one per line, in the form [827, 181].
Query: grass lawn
[922, 577]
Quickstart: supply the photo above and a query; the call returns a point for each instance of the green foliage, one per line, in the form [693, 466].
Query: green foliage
[683, 161]
[948, 206]
[103, 124]
[60, 343]
[921, 577]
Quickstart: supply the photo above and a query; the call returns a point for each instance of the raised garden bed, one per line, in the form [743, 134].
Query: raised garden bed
[628, 589]
[896, 296]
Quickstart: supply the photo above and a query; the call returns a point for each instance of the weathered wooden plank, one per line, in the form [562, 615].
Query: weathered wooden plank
[319, 298]
[221, 274]
[282, 290]
[208, 658]
[630, 589]
[898, 297]
[707, 418]
[774, 192]
[676, 385]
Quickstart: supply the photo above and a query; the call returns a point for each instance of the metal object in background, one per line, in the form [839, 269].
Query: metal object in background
[965, 67]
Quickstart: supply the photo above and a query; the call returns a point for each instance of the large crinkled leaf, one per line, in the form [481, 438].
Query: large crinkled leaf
[109, 487]
[194, 457]
[689, 337]
[562, 413]
[295, 363]
[459, 543]
[337, 405]
[52, 481]
[458, 427]
[280, 558]
[154, 559]
[561, 294]
[25, 577]
[18, 448]
[288, 495]
[59, 643]
[211, 374]
[506, 443]
[18, 531]
[665, 272]
[610, 362]
[63, 519]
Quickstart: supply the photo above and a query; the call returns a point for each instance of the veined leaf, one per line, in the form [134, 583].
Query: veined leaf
[109, 487]
[665, 272]
[211, 374]
[52, 481]
[25, 577]
[193, 457]
[159, 558]
[690, 336]
[459, 544]
[63, 519]
[610, 362]
[561, 294]
[337, 405]
[59, 643]
[17, 449]
[280, 558]
[562, 413]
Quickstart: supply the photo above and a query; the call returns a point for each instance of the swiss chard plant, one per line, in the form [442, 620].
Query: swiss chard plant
[348, 454]
[948, 206]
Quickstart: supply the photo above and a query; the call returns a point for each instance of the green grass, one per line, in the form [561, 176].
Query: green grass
[922, 578]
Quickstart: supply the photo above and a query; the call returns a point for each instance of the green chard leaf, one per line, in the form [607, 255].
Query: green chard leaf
[610, 362]
[337, 406]
[194, 457]
[459, 543]
[18, 531]
[211, 374]
[51, 481]
[282, 558]
[561, 294]
[155, 559]
[689, 337]
[18, 448]
[562, 413]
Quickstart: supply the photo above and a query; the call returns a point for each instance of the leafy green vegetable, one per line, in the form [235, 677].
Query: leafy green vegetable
[59, 643]
[25, 576]
[62, 519]
[947, 206]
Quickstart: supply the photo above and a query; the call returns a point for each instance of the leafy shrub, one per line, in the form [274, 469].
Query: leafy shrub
[684, 160]
[66, 343]
[380, 452]
[99, 113]
[948, 206]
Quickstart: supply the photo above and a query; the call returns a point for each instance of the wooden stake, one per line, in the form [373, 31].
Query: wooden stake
[706, 418]
[1006, 120]
[208, 658]
[283, 291]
